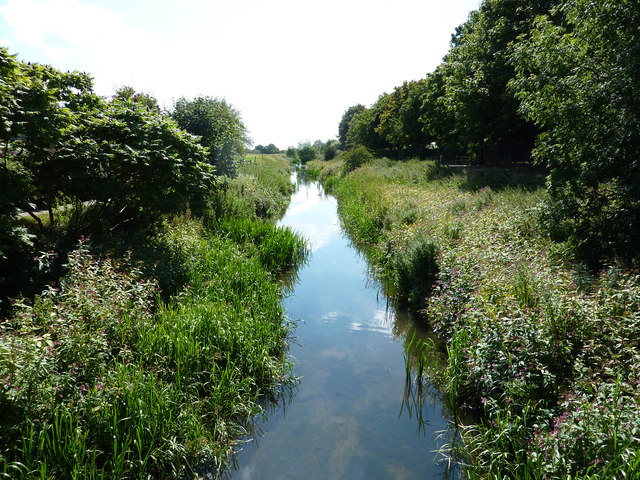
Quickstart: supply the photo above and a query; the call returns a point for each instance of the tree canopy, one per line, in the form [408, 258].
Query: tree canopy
[560, 76]
[219, 127]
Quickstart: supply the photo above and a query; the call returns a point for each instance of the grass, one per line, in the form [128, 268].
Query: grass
[547, 354]
[101, 378]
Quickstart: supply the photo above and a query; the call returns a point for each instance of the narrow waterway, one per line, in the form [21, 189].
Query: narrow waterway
[351, 416]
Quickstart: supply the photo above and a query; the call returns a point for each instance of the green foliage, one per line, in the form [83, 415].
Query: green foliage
[363, 127]
[546, 355]
[219, 127]
[292, 152]
[306, 152]
[262, 189]
[414, 270]
[343, 127]
[355, 157]
[578, 79]
[477, 70]
[135, 160]
[97, 382]
[330, 149]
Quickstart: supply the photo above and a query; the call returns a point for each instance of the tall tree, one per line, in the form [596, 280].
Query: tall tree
[363, 127]
[579, 79]
[220, 127]
[343, 126]
[477, 70]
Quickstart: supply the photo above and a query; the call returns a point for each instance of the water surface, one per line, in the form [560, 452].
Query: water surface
[348, 418]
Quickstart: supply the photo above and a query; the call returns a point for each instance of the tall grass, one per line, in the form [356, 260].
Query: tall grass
[547, 354]
[102, 379]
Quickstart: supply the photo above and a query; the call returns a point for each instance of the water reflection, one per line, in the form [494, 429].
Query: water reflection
[360, 410]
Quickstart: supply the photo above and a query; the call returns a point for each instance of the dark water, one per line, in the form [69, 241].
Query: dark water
[350, 417]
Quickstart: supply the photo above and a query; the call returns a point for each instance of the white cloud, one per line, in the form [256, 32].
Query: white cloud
[291, 67]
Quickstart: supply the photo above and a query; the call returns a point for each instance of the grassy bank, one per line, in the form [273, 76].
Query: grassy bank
[546, 352]
[101, 378]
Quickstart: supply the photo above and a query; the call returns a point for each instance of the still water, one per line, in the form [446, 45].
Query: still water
[350, 417]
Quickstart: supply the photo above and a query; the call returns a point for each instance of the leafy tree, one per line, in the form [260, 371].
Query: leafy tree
[578, 77]
[13, 180]
[330, 149]
[220, 127]
[437, 119]
[271, 148]
[400, 119]
[356, 157]
[343, 127]
[260, 149]
[135, 162]
[306, 152]
[291, 152]
[44, 107]
[363, 127]
[476, 73]
[129, 94]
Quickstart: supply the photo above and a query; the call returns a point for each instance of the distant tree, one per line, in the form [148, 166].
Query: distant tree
[319, 146]
[306, 152]
[291, 152]
[343, 127]
[260, 148]
[271, 148]
[363, 128]
[330, 149]
[220, 127]
[129, 94]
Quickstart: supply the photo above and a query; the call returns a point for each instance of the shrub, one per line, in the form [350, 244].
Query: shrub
[415, 270]
[356, 157]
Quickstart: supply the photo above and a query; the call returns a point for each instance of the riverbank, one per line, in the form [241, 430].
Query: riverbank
[546, 352]
[150, 363]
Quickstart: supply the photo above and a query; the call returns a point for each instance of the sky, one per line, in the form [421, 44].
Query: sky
[290, 67]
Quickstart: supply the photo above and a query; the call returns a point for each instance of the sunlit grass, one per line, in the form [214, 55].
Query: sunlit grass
[547, 354]
[100, 378]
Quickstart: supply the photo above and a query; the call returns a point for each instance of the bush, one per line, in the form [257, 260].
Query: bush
[330, 151]
[356, 157]
[306, 152]
[415, 270]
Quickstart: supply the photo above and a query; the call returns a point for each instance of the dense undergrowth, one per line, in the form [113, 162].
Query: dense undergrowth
[105, 375]
[547, 352]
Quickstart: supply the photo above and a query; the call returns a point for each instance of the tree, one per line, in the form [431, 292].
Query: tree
[43, 106]
[220, 127]
[476, 73]
[133, 161]
[343, 127]
[578, 78]
[306, 152]
[129, 94]
[271, 148]
[363, 127]
[330, 149]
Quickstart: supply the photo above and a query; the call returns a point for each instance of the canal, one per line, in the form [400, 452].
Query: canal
[354, 414]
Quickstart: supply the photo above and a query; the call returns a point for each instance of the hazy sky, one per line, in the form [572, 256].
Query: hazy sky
[291, 67]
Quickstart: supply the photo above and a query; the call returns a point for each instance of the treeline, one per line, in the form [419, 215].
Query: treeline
[108, 163]
[548, 81]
